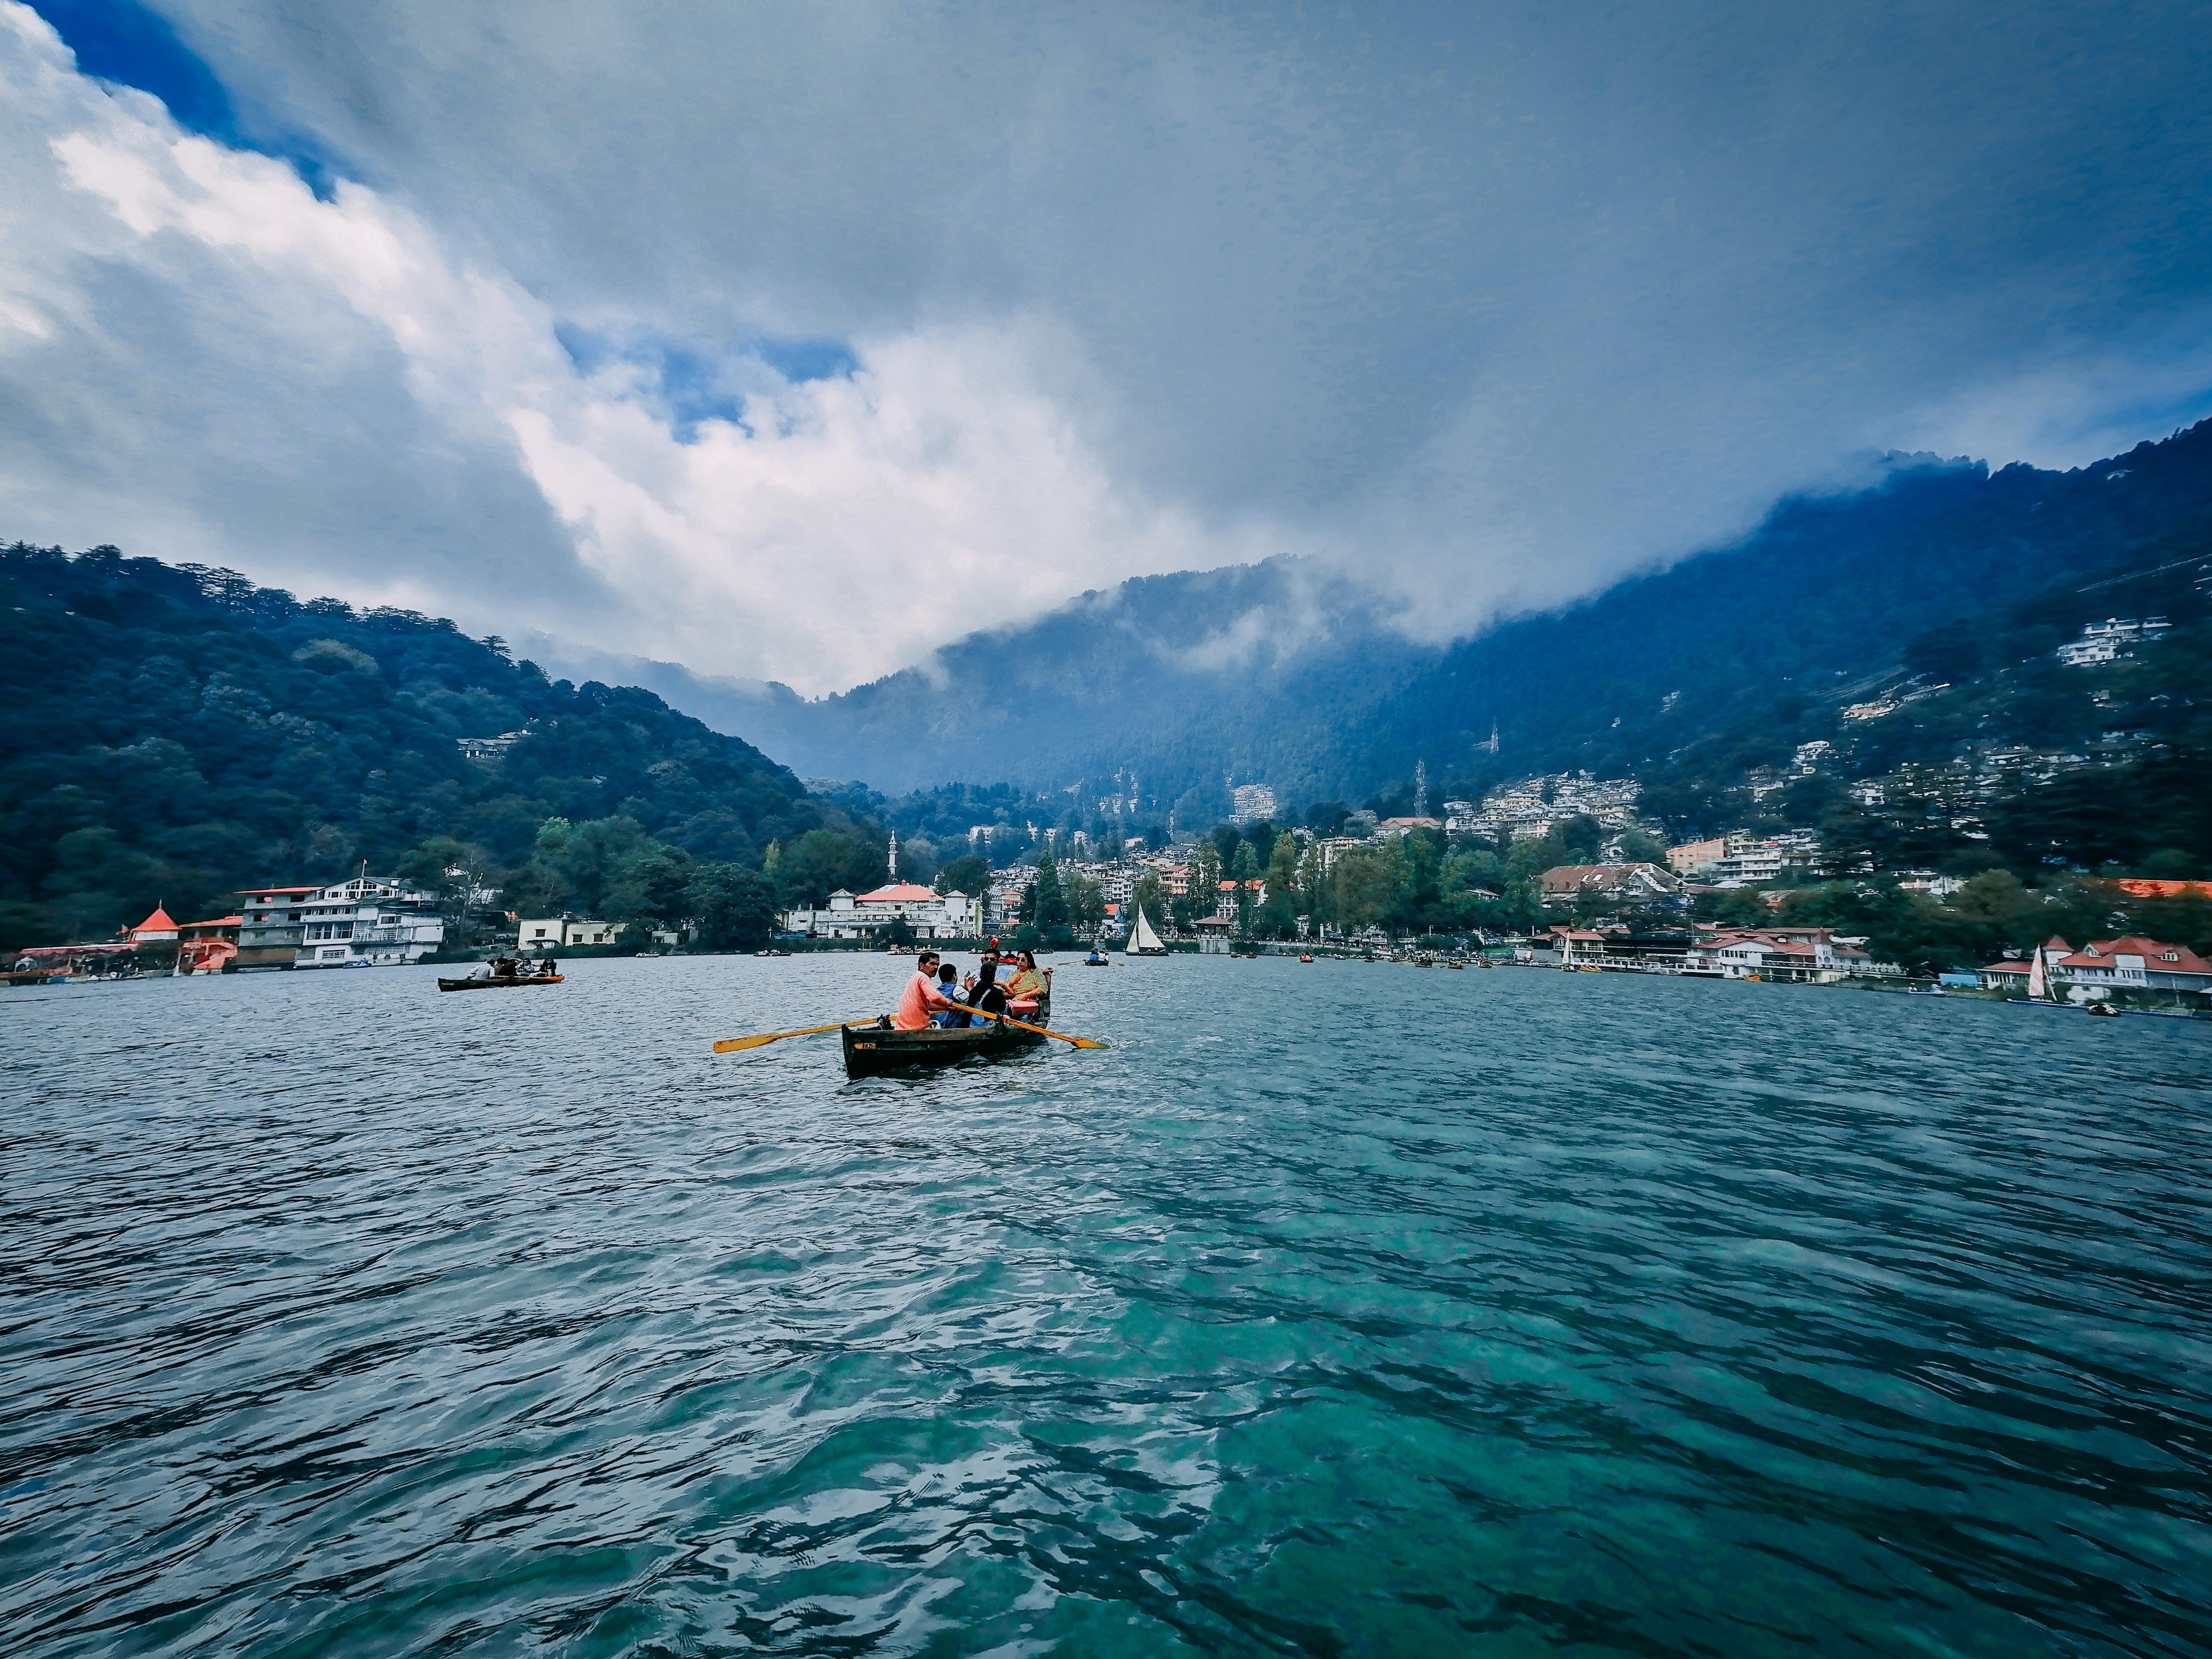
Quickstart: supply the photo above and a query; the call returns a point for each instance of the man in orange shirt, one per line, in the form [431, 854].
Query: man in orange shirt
[922, 998]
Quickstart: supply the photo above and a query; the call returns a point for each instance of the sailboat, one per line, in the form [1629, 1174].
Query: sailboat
[1142, 941]
[2039, 983]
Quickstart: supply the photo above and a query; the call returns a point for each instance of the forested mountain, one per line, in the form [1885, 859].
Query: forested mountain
[1279, 673]
[176, 733]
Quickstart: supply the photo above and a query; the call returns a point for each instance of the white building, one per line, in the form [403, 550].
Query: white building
[565, 933]
[370, 921]
[932, 916]
[1533, 807]
[2110, 639]
[1252, 803]
[490, 748]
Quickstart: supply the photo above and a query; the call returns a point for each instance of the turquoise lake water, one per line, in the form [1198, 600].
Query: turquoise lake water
[1338, 1310]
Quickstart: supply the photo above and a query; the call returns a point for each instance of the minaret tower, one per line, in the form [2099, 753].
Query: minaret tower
[894, 857]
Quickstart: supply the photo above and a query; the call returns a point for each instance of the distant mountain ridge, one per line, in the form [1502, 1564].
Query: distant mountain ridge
[1282, 673]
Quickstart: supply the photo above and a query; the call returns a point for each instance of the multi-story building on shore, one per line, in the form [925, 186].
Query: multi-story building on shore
[861, 916]
[370, 921]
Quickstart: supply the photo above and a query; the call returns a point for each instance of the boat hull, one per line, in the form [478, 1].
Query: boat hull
[875, 1051]
[495, 984]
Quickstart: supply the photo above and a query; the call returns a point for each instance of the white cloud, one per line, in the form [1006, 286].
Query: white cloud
[847, 525]
[1487, 306]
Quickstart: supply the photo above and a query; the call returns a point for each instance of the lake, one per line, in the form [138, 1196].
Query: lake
[1340, 1308]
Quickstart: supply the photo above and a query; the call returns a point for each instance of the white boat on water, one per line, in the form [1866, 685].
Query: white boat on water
[1142, 941]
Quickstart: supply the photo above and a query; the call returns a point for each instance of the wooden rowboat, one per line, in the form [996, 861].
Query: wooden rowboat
[485, 982]
[880, 1051]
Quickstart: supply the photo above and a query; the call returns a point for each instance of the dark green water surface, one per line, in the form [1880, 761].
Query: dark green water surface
[1338, 1309]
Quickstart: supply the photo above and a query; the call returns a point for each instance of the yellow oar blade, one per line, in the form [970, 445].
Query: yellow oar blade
[731, 1045]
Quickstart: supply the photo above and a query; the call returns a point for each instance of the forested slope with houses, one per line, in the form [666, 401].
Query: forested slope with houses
[179, 733]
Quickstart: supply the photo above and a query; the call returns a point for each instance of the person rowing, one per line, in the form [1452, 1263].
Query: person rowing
[922, 997]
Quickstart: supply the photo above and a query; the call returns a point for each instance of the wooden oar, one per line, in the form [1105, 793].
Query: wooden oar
[1080, 1042]
[731, 1045]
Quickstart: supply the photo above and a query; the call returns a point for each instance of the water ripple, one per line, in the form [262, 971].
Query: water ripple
[1336, 1310]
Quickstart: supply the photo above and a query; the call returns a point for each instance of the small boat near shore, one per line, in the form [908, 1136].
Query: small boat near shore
[498, 982]
[879, 1050]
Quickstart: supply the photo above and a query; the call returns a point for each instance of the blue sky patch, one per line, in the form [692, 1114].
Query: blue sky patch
[687, 383]
[129, 45]
[800, 361]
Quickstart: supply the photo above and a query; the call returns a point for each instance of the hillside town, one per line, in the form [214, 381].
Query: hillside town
[1721, 907]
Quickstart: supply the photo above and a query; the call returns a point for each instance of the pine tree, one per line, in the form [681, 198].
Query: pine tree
[1048, 905]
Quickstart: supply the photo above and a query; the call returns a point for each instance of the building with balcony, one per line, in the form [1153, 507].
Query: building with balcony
[370, 921]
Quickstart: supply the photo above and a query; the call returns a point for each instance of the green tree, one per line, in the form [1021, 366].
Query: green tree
[735, 906]
[1637, 848]
[1359, 887]
[969, 873]
[653, 884]
[1243, 872]
[1044, 906]
[1086, 903]
[816, 865]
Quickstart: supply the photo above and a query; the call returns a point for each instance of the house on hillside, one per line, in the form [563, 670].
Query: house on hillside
[1619, 884]
[1696, 858]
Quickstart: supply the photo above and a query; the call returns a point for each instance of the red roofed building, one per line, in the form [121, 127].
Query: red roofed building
[156, 929]
[2104, 966]
[903, 892]
[207, 946]
[930, 914]
[1812, 954]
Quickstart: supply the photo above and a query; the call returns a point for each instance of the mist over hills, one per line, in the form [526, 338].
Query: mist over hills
[1282, 673]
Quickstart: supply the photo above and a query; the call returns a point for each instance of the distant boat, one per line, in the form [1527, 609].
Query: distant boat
[498, 982]
[1142, 941]
[2038, 983]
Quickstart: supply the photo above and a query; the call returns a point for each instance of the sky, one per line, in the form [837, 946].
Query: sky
[792, 341]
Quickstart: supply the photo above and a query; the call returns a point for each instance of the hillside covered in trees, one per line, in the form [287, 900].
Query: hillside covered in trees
[174, 734]
[1281, 673]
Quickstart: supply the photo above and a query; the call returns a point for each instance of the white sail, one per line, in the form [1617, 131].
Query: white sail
[1142, 941]
[2039, 983]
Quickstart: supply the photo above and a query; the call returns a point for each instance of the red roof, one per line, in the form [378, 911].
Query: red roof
[219, 921]
[904, 892]
[2142, 887]
[159, 922]
[2100, 952]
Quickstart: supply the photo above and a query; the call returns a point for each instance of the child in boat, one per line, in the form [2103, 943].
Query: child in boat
[948, 986]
